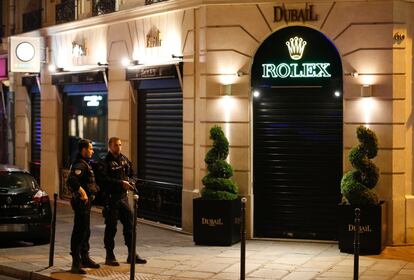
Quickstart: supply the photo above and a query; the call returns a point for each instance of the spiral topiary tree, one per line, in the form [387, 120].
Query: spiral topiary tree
[357, 185]
[217, 182]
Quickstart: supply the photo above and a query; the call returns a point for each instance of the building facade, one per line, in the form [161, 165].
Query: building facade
[272, 74]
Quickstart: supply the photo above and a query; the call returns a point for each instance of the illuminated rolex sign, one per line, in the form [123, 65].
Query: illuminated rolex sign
[296, 69]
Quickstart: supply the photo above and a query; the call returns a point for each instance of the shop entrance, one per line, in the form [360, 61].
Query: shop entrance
[297, 135]
[84, 115]
[160, 141]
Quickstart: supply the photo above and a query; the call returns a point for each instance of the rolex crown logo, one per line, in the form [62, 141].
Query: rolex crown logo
[296, 46]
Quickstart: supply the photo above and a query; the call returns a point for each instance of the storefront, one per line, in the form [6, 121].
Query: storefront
[159, 140]
[84, 115]
[288, 82]
[32, 85]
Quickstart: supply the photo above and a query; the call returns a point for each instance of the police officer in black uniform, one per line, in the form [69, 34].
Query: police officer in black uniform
[117, 177]
[81, 182]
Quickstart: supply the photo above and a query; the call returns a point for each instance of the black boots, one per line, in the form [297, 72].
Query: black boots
[138, 259]
[88, 262]
[76, 265]
[110, 259]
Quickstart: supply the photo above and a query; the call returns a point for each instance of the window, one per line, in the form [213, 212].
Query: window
[85, 116]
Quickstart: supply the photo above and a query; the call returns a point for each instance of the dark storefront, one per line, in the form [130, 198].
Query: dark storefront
[32, 84]
[297, 135]
[85, 113]
[160, 134]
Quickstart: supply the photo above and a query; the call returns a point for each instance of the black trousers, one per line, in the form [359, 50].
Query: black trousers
[118, 209]
[79, 242]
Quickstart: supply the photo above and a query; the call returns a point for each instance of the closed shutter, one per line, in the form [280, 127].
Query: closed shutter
[36, 126]
[297, 162]
[160, 155]
[160, 136]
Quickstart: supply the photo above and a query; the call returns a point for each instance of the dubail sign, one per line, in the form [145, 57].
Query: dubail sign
[296, 47]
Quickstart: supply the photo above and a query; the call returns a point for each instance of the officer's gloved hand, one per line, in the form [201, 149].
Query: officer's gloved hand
[127, 186]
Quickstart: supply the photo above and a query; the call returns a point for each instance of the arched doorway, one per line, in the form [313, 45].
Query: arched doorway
[297, 135]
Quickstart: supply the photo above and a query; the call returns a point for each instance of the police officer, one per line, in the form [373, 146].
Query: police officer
[81, 182]
[117, 177]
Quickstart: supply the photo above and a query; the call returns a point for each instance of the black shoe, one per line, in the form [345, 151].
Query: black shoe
[86, 261]
[138, 259]
[111, 260]
[76, 269]
[76, 264]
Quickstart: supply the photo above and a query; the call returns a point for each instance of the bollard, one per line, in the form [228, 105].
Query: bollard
[356, 243]
[134, 239]
[243, 239]
[53, 231]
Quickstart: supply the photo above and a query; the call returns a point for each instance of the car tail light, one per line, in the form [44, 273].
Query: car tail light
[41, 197]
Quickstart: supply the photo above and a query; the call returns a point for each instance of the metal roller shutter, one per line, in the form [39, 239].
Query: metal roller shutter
[160, 162]
[297, 162]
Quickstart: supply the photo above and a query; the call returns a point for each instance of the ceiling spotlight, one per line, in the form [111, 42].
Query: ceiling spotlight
[256, 93]
[337, 93]
[354, 74]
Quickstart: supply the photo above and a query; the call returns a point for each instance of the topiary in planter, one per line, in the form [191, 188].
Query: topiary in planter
[217, 182]
[357, 185]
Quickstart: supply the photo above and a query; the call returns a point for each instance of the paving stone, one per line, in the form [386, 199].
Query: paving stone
[296, 259]
[279, 266]
[405, 271]
[195, 275]
[402, 277]
[227, 276]
[269, 273]
[300, 276]
[236, 268]
[388, 265]
[210, 267]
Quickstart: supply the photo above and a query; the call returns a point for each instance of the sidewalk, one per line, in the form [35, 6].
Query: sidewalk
[174, 256]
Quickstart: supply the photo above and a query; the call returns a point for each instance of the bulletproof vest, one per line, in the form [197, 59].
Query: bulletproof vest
[119, 170]
[89, 179]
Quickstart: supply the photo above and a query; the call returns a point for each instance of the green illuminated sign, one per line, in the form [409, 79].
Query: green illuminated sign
[295, 70]
[296, 47]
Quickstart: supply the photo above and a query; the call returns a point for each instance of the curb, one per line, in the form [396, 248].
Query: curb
[22, 274]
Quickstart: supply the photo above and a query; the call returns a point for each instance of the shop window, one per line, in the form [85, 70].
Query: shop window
[85, 116]
[36, 132]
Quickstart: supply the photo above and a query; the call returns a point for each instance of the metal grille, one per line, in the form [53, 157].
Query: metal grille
[32, 20]
[36, 133]
[149, 2]
[66, 11]
[297, 162]
[101, 7]
[160, 164]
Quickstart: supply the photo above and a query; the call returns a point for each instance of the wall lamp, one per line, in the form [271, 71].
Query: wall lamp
[134, 62]
[240, 73]
[366, 90]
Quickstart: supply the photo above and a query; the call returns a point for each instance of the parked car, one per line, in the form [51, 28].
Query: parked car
[25, 211]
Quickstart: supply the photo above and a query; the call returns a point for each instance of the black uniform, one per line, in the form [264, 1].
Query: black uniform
[112, 171]
[81, 175]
